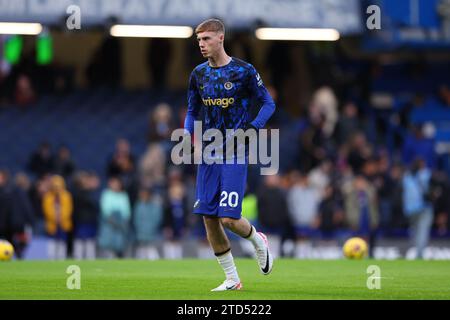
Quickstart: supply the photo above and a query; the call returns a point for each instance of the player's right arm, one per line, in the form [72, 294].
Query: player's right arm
[194, 104]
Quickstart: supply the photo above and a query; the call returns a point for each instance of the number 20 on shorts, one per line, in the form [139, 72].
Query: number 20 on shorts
[233, 199]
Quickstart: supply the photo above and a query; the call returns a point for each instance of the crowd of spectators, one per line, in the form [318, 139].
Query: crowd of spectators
[339, 185]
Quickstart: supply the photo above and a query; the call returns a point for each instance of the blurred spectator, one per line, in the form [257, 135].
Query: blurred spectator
[325, 100]
[385, 187]
[417, 203]
[303, 202]
[58, 208]
[361, 208]
[122, 161]
[331, 215]
[85, 215]
[273, 213]
[148, 214]
[417, 145]
[115, 211]
[41, 161]
[416, 102]
[340, 163]
[359, 152]
[37, 191]
[370, 170]
[63, 164]
[159, 57]
[348, 123]
[161, 125]
[22, 215]
[24, 93]
[440, 188]
[152, 167]
[175, 215]
[320, 177]
[313, 141]
[398, 220]
[122, 165]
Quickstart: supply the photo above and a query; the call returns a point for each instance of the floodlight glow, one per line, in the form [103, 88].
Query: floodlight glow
[298, 34]
[20, 28]
[143, 31]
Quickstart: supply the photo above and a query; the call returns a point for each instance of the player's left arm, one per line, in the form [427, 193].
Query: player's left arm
[258, 90]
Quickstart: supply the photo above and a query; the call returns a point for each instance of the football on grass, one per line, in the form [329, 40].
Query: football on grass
[6, 250]
[355, 248]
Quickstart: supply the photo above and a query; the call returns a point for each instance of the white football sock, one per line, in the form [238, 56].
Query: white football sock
[256, 239]
[226, 261]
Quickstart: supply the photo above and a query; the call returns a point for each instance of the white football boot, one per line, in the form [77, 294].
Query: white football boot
[229, 285]
[264, 257]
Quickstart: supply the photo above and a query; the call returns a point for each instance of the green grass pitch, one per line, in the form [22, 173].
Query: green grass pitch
[192, 279]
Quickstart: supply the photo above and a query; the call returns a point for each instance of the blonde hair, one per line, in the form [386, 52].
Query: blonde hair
[214, 25]
[58, 182]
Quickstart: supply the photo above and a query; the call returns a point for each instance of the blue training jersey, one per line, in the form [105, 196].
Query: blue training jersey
[226, 94]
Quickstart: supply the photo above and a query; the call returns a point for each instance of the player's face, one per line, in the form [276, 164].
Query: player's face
[210, 43]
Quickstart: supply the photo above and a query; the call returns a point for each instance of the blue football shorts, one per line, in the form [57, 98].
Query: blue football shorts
[220, 189]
